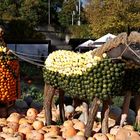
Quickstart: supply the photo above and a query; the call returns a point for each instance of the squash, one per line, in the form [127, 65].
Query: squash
[125, 134]
[76, 137]
[13, 125]
[25, 128]
[37, 125]
[16, 136]
[54, 138]
[32, 113]
[69, 132]
[100, 136]
[110, 136]
[34, 135]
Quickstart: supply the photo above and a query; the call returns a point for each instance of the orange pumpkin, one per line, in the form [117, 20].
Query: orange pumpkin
[130, 127]
[14, 117]
[54, 138]
[68, 123]
[25, 128]
[79, 125]
[110, 136]
[100, 136]
[37, 125]
[13, 125]
[3, 121]
[8, 130]
[69, 132]
[32, 113]
[23, 120]
[34, 135]
[126, 134]
[16, 136]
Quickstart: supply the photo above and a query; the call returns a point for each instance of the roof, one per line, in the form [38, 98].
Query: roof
[105, 38]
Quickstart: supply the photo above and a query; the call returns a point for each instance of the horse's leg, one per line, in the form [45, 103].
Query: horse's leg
[125, 109]
[85, 111]
[49, 93]
[92, 115]
[105, 116]
[137, 104]
[61, 105]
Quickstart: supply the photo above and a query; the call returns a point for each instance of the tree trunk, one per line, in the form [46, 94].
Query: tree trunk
[137, 104]
[61, 105]
[92, 114]
[105, 116]
[125, 109]
[48, 94]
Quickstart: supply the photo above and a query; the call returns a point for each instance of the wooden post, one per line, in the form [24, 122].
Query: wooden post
[92, 114]
[125, 109]
[61, 105]
[105, 116]
[48, 94]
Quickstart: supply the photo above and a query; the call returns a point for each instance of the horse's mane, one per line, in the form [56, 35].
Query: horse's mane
[122, 38]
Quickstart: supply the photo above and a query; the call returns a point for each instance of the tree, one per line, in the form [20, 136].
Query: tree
[68, 10]
[113, 16]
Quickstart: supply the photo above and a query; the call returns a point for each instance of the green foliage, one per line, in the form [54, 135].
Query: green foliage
[65, 15]
[113, 16]
[29, 70]
[82, 31]
[33, 91]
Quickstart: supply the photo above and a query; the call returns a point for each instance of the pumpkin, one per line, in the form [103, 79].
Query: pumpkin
[130, 127]
[1, 138]
[68, 123]
[51, 128]
[114, 130]
[32, 113]
[23, 120]
[51, 133]
[54, 138]
[15, 114]
[25, 128]
[14, 117]
[34, 135]
[5, 135]
[91, 138]
[126, 134]
[100, 136]
[16, 136]
[69, 132]
[78, 137]
[13, 125]
[80, 133]
[110, 136]
[3, 121]
[8, 130]
[37, 125]
[79, 125]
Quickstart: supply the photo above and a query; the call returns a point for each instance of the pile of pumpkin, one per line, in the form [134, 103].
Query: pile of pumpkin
[30, 126]
[9, 76]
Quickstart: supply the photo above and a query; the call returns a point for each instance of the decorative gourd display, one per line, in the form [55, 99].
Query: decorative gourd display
[9, 76]
[82, 75]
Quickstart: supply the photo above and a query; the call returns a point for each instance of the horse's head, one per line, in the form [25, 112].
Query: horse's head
[129, 49]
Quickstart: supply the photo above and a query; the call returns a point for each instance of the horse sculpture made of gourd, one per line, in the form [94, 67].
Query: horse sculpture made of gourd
[93, 76]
